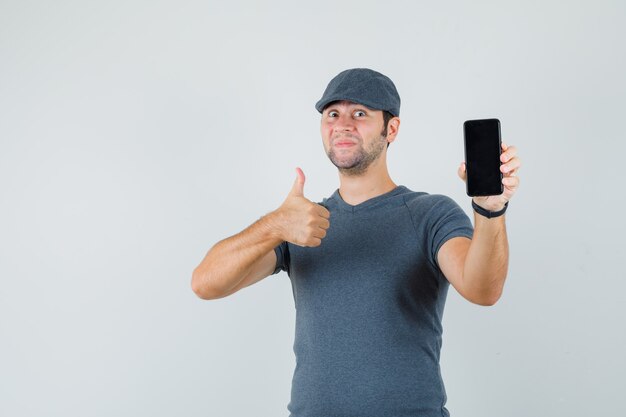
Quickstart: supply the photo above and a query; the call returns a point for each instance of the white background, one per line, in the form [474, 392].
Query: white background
[136, 134]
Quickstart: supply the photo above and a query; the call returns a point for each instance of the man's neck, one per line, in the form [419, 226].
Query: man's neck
[372, 183]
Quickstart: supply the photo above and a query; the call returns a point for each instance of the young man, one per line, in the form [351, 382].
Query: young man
[370, 266]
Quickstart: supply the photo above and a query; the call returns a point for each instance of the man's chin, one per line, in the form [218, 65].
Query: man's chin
[347, 165]
[353, 171]
[349, 168]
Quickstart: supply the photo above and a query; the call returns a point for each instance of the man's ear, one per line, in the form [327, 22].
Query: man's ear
[392, 129]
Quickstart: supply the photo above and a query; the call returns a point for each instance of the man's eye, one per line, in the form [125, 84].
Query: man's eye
[359, 113]
[332, 114]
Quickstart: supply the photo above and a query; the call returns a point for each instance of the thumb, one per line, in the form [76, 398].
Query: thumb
[298, 184]
[462, 171]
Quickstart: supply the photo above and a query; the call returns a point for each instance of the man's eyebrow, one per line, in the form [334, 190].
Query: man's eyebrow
[353, 107]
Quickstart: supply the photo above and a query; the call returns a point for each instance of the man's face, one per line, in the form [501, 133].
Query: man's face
[352, 137]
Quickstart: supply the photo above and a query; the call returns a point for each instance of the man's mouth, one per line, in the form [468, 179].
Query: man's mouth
[344, 142]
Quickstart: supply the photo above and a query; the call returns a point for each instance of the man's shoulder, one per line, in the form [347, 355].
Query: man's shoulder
[426, 200]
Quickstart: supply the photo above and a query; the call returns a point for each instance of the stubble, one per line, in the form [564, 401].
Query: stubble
[360, 159]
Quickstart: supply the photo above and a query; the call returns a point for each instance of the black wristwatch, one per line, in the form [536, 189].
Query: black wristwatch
[489, 214]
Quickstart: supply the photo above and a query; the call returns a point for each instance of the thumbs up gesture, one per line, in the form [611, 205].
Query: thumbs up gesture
[303, 222]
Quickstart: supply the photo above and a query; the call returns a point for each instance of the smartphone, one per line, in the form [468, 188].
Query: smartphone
[483, 146]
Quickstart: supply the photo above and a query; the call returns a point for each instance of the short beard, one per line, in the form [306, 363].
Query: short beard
[361, 161]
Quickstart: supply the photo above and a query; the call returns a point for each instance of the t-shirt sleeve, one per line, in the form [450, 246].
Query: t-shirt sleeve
[282, 258]
[445, 220]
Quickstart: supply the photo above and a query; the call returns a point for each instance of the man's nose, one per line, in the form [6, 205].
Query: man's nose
[344, 123]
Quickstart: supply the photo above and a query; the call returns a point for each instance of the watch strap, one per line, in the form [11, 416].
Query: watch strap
[489, 214]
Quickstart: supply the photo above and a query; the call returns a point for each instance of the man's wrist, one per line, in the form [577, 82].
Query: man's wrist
[272, 223]
[489, 213]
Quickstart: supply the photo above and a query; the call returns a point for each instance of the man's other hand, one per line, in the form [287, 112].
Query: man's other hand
[301, 221]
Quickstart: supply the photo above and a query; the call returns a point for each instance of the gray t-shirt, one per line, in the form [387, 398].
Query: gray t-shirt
[369, 302]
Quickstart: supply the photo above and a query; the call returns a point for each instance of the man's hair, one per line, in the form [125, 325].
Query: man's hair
[386, 117]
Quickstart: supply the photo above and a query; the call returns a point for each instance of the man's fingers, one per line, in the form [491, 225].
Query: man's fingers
[509, 153]
[511, 182]
[315, 242]
[511, 166]
[320, 233]
[323, 212]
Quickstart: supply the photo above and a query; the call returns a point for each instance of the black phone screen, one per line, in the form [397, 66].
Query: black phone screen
[482, 157]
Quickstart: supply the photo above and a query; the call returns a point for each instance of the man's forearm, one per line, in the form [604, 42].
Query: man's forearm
[228, 261]
[487, 260]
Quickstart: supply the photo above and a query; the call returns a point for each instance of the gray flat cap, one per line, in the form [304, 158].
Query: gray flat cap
[364, 86]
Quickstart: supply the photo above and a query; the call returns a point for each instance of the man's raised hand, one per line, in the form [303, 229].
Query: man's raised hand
[510, 164]
[301, 221]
